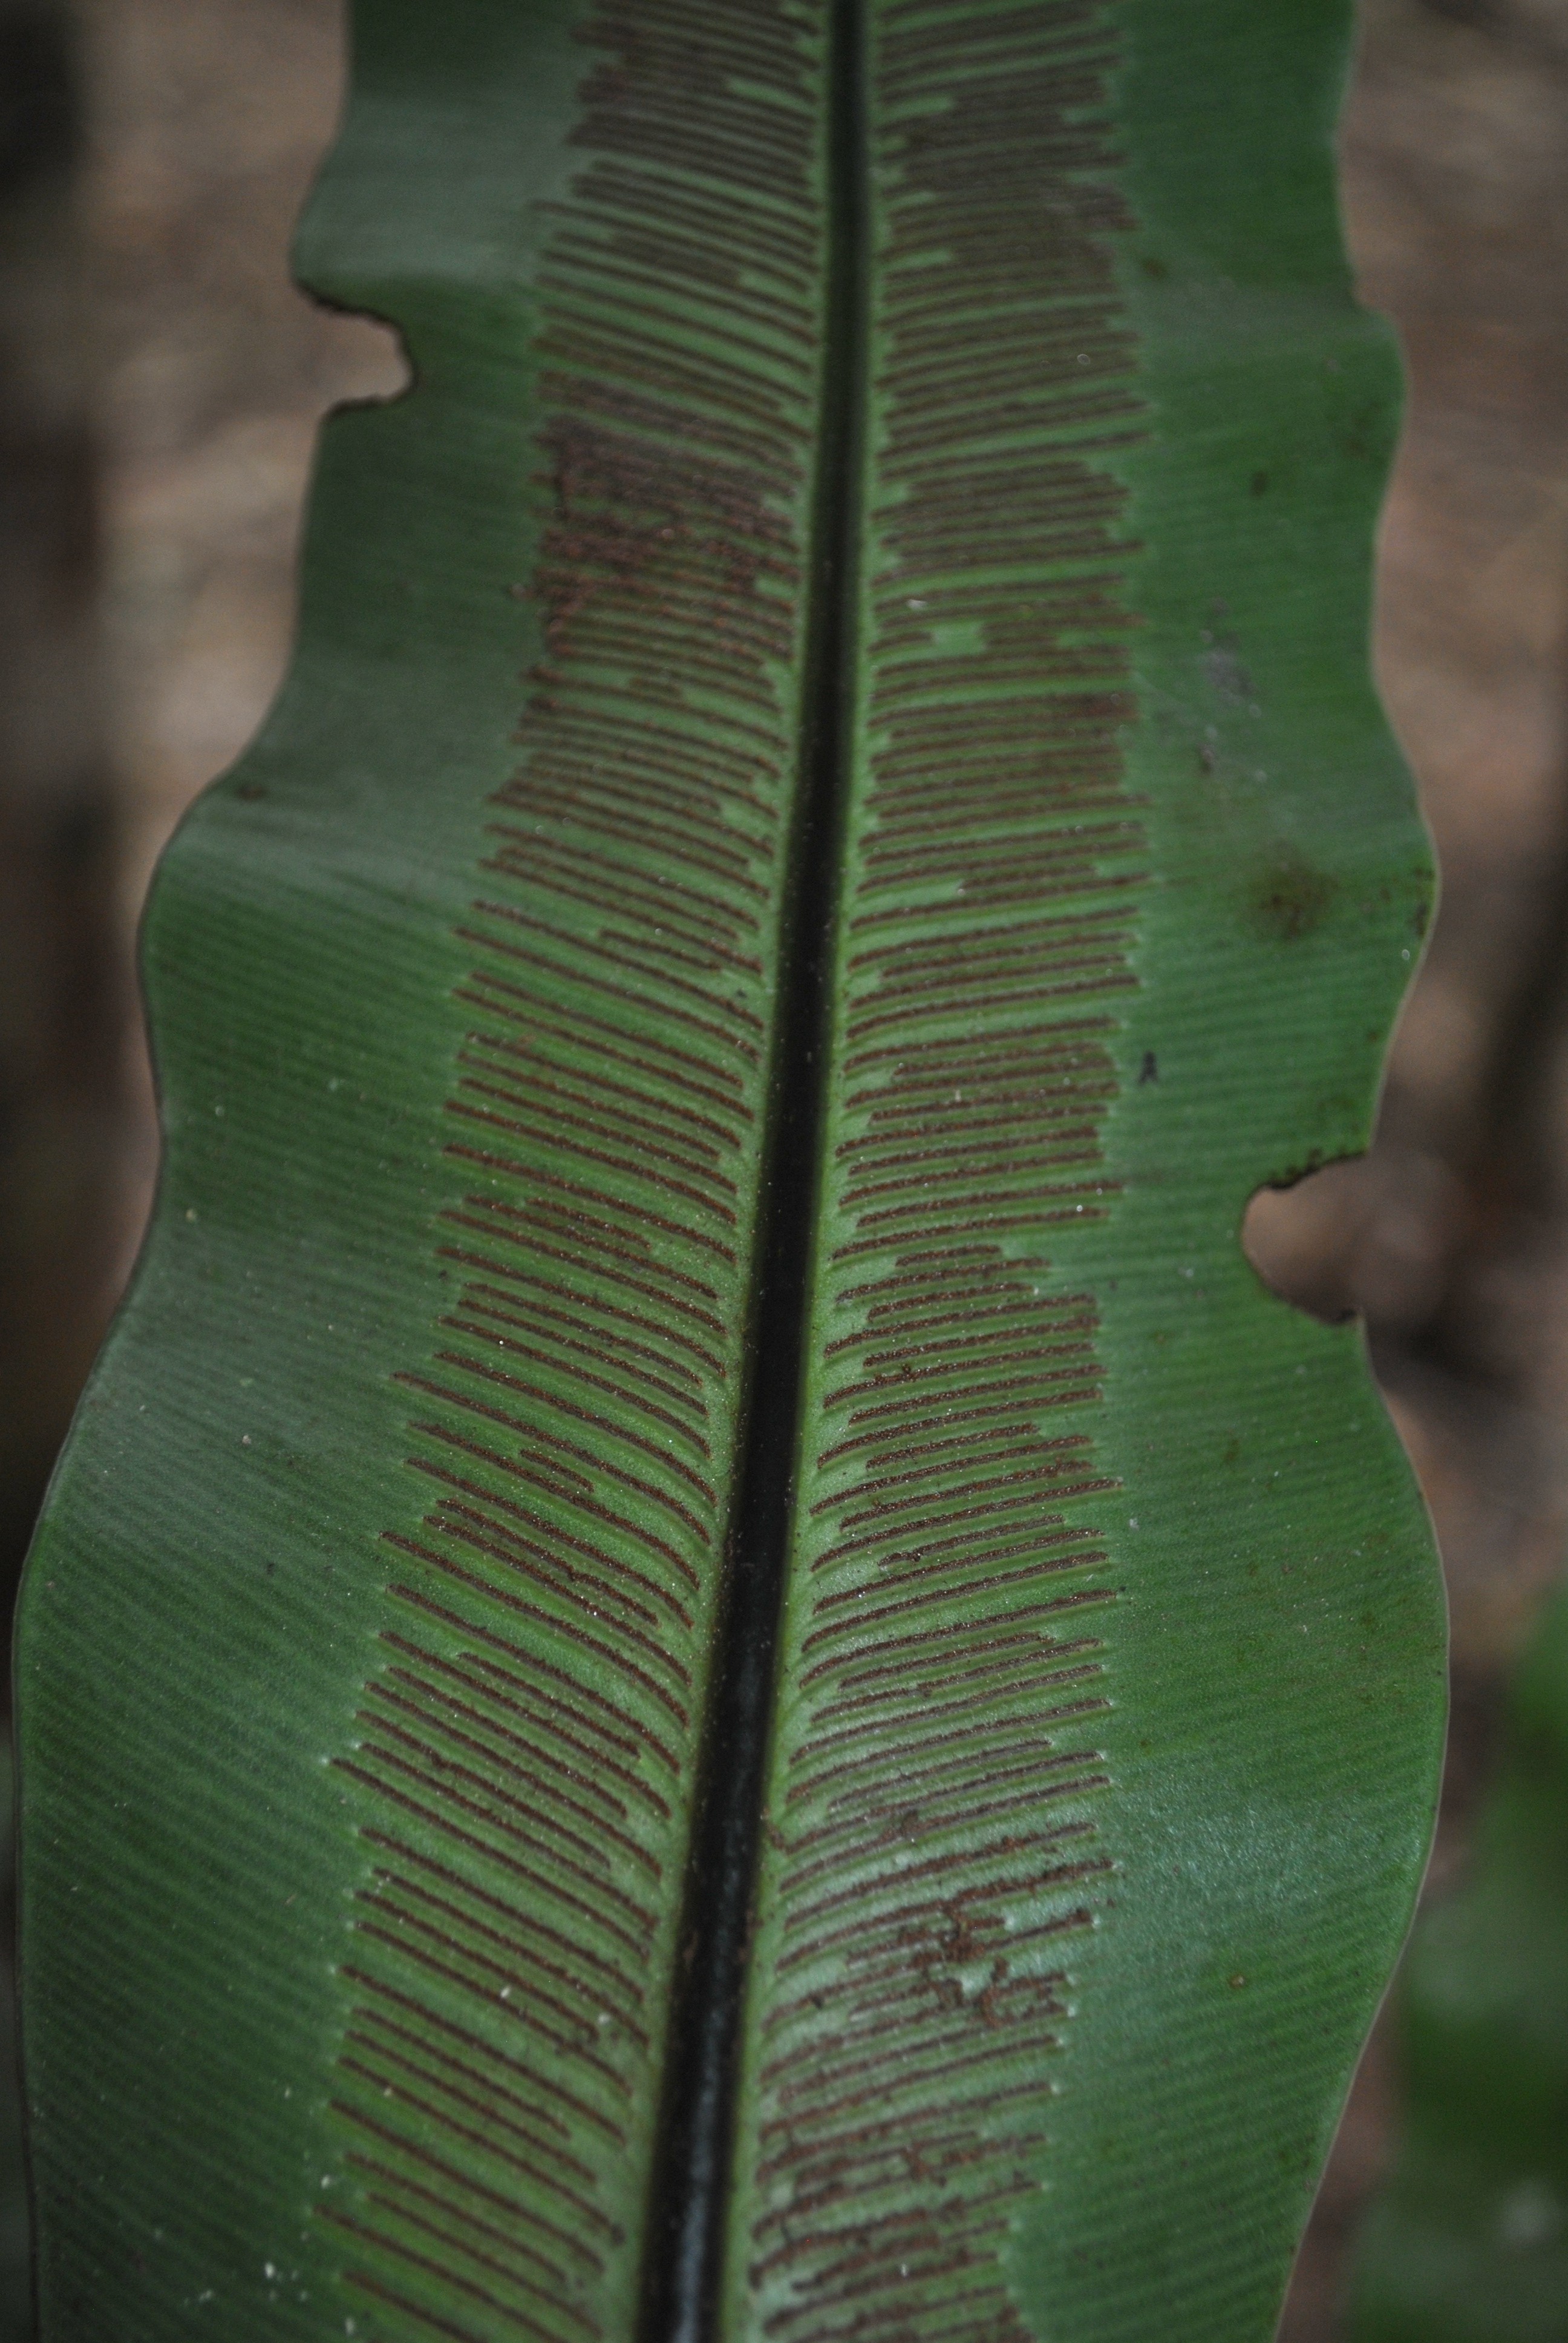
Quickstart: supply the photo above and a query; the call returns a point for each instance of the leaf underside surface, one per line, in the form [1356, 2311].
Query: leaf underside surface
[706, 1665]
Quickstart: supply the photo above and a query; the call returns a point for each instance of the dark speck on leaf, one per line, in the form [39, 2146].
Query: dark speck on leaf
[1259, 484]
[1148, 1071]
[1224, 672]
[1290, 897]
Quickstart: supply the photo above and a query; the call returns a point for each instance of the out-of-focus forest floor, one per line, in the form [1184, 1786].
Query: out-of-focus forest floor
[206, 376]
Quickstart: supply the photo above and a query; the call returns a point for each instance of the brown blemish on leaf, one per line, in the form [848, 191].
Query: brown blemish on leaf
[1224, 673]
[1290, 897]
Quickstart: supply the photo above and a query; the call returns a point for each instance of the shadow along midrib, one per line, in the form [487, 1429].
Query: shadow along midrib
[685, 2232]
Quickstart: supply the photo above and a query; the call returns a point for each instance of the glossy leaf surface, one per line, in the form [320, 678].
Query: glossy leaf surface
[1469, 2243]
[706, 1663]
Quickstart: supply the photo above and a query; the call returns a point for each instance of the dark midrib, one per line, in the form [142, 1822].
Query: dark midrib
[685, 2228]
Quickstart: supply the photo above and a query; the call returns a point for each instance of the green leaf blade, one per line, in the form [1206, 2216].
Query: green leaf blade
[526, 1768]
[1050, 1414]
[567, 1102]
[370, 1651]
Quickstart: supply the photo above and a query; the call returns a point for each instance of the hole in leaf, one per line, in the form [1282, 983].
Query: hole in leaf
[1305, 1240]
[1368, 1236]
[368, 356]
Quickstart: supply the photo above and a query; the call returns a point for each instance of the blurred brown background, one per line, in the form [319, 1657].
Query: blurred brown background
[160, 383]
